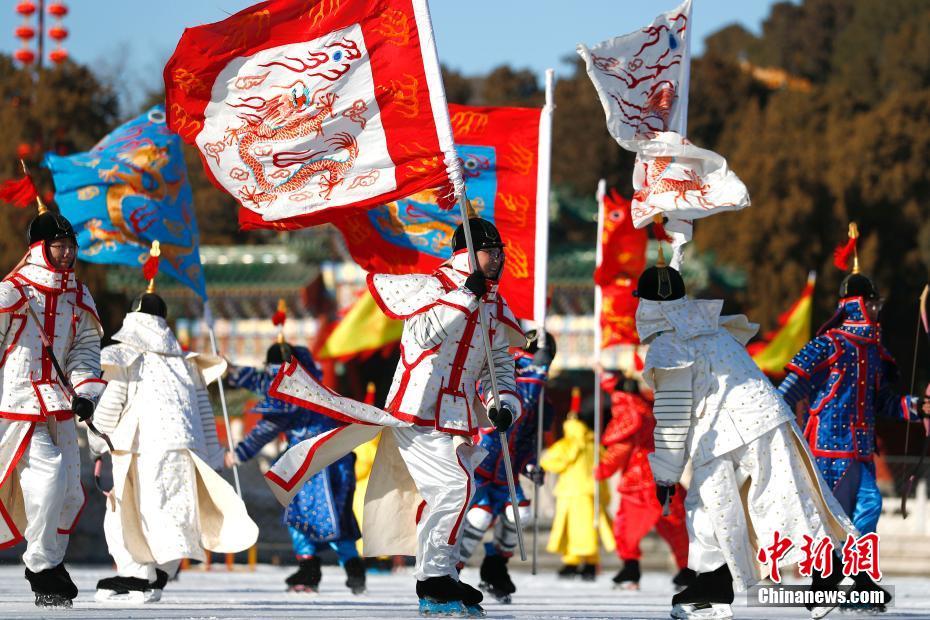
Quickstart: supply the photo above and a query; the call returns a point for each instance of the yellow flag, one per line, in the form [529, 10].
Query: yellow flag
[793, 333]
[364, 329]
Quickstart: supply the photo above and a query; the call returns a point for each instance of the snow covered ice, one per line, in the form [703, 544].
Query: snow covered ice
[260, 594]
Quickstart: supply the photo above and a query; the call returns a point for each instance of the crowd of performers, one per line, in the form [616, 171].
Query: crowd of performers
[434, 465]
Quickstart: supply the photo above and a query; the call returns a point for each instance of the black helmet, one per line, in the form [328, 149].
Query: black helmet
[532, 342]
[150, 303]
[49, 226]
[279, 353]
[483, 234]
[857, 285]
[660, 284]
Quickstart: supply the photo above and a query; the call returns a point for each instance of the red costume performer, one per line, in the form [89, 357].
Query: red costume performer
[628, 439]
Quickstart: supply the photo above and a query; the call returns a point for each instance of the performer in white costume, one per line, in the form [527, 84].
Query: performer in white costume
[714, 406]
[433, 410]
[167, 502]
[41, 496]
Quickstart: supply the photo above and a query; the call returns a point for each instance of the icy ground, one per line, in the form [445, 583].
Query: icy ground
[260, 594]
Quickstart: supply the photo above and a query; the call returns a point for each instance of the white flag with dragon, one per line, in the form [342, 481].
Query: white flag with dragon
[642, 77]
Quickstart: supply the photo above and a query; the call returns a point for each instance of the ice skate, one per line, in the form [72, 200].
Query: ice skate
[307, 578]
[355, 575]
[495, 579]
[568, 571]
[52, 587]
[863, 583]
[588, 572]
[628, 576]
[126, 590]
[708, 597]
[441, 597]
[161, 580]
[683, 579]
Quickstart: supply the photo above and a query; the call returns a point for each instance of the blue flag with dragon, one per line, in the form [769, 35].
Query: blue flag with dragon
[127, 191]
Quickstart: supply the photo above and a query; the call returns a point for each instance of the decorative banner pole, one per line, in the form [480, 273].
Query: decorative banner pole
[208, 319]
[540, 299]
[598, 303]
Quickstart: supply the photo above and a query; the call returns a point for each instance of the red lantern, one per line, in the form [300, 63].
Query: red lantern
[24, 150]
[58, 56]
[26, 8]
[25, 33]
[58, 9]
[58, 33]
[25, 56]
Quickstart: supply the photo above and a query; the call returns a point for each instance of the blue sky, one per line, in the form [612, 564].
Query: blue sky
[128, 41]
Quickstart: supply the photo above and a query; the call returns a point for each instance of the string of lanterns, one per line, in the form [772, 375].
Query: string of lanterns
[26, 31]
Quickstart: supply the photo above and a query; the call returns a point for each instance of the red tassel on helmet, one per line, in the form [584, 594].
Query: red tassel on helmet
[19, 192]
[843, 253]
[370, 393]
[575, 406]
[659, 230]
[280, 314]
[150, 268]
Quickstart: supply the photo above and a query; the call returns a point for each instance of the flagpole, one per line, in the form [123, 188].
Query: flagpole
[495, 393]
[540, 297]
[598, 303]
[208, 319]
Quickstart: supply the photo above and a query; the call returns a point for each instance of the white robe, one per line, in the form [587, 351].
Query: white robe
[752, 472]
[167, 502]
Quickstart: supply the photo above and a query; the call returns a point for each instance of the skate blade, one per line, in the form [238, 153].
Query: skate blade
[499, 596]
[358, 590]
[153, 596]
[302, 590]
[630, 586]
[821, 611]
[436, 609]
[135, 597]
[475, 611]
[53, 600]
[703, 611]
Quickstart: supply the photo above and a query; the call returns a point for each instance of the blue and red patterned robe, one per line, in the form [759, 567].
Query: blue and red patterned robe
[848, 378]
[321, 511]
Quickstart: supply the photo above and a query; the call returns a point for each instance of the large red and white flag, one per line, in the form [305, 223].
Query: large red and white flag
[301, 108]
[642, 77]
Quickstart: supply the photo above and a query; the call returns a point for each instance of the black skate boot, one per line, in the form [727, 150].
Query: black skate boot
[707, 598]
[471, 599]
[131, 590]
[819, 583]
[158, 586]
[683, 579]
[307, 578]
[877, 603]
[355, 575]
[568, 571]
[53, 587]
[628, 577]
[441, 596]
[495, 579]
[588, 572]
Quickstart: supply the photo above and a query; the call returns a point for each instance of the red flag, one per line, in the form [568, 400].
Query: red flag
[623, 257]
[624, 247]
[18, 192]
[499, 152]
[302, 108]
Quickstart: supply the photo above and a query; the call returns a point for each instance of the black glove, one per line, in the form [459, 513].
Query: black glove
[542, 357]
[536, 474]
[477, 283]
[664, 493]
[501, 418]
[82, 407]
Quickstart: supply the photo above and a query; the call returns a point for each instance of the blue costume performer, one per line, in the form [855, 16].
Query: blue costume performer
[491, 504]
[848, 378]
[321, 513]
